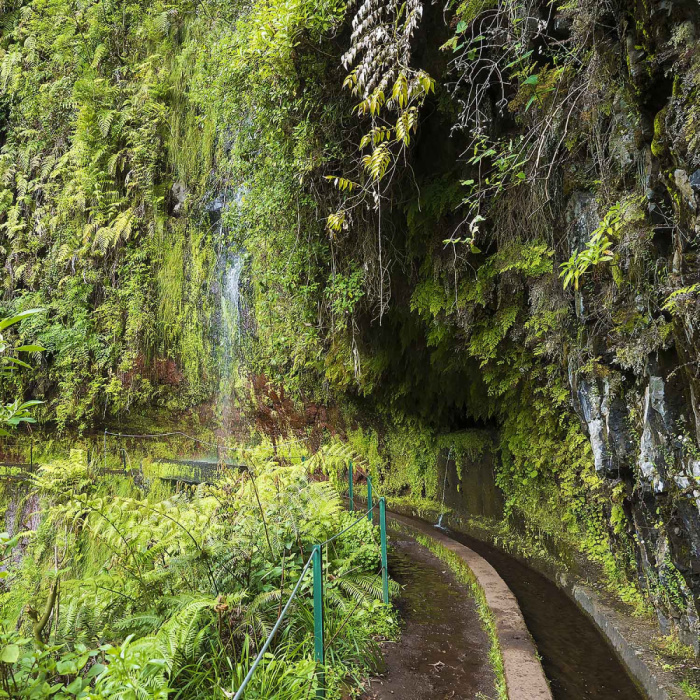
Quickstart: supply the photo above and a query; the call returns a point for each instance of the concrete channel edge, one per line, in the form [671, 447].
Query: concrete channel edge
[525, 679]
[637, 658]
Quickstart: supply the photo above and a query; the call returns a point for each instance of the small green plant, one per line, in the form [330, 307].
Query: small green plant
[19, 411]
[598, 249]
[680, 297]
[691, 689]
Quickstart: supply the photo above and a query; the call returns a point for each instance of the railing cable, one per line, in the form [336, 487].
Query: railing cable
[261, 653]
[201, 442]
[349, 527]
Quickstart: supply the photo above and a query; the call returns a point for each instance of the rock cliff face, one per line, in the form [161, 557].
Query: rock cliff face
[637, 443]
[618, 203]
[639, 405]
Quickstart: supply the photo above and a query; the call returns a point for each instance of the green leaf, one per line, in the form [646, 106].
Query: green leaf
[29, 348]
[6, 322]
[67, 666]
[28, 404]
[76, 686]
[15, 361]
[95, 671]
[9, 654]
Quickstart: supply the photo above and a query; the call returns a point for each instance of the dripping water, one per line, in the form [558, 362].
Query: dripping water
[439, 524]
[233, 317]
[231, 303]
[230, 333]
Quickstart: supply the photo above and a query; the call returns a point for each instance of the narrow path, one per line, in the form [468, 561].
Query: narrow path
[443, 653]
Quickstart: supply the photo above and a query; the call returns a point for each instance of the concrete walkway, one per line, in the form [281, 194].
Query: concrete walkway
[525, 679]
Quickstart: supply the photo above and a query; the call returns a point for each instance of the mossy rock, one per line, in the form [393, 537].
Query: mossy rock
[659, 144]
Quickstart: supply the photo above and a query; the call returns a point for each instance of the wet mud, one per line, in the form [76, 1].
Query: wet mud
[443, 652]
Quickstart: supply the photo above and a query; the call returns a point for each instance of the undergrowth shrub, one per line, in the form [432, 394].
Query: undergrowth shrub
[154, 597]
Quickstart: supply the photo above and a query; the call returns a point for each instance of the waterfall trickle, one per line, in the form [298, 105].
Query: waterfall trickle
[444, 484]
[230, 334]
[231, 299]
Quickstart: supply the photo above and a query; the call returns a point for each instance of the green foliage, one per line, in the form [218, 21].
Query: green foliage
[598, 248]
[17, 412]
[175, 595]
[94, 116]
[426, 300]
[679, 298]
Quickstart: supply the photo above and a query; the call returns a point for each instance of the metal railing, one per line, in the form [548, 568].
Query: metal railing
[315, 561]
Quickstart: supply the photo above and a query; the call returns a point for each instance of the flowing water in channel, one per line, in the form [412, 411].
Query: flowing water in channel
[577, 660]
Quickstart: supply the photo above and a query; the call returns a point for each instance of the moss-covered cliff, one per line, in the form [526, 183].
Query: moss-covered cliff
[492, 224]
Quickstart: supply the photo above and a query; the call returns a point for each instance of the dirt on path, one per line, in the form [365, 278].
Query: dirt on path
[443, 653]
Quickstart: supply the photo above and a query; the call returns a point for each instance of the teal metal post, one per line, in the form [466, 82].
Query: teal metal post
[318, 621]
[385, 566]
[350, 487]
[369, 499]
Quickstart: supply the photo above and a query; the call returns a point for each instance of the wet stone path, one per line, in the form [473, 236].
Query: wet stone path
[443, 653]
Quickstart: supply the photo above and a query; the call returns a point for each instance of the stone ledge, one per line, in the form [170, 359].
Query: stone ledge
[623, 635]
[638, 659]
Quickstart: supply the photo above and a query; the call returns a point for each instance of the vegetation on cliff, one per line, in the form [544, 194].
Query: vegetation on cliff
[488, 222]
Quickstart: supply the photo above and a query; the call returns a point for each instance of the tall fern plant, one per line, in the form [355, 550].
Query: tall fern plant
[189, 587]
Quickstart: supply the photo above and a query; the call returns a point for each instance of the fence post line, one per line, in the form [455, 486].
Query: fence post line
[369, 500]
[123, 460]
[104, 449]
[318, 621]
[31, 456]
[385, 565]
[350, 487]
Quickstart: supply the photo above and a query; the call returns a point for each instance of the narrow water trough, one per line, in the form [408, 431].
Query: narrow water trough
[578, 661]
